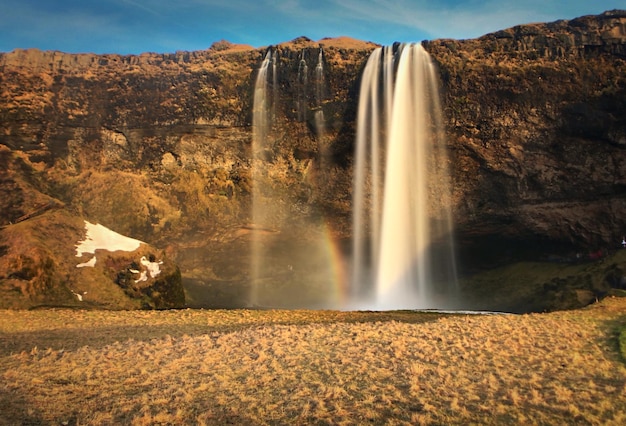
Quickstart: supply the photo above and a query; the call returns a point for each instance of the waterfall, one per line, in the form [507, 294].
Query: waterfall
[403, 251]
[262, 113]
[320, 124]
[302, 82]
[261, 107]
[274, 85]
[319, 79]
[292, 261]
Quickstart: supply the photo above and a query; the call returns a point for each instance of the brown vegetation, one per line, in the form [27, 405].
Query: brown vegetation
[312, 367]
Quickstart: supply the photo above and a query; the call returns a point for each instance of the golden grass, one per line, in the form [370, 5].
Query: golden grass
[311, 367]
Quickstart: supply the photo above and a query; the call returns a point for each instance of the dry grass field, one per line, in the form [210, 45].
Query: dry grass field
[66, 367]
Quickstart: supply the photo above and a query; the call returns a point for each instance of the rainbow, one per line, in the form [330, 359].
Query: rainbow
[338, 266]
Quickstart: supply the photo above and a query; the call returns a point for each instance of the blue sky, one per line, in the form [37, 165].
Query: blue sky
[135, 26]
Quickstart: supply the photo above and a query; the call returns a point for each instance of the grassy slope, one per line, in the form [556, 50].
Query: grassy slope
[308, 367]
[541, 286]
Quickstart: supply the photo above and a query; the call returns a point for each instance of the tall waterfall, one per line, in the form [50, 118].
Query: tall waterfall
[262, 114]
[403, 251]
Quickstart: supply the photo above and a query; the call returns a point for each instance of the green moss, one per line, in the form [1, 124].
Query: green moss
[166, 292]
[622, 341]
[544, 286]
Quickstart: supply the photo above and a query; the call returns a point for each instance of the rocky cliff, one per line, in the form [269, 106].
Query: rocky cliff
[537, 126]
[158, 147]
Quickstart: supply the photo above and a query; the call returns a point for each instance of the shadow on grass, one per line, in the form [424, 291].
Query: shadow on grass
[16, 410]
[617, 337]
[100, 336]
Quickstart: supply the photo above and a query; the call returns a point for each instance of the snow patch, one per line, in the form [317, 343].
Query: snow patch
[152, 267]
[90, 263]
[100, 237]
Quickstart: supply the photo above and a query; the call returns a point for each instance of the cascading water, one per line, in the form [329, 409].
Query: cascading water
[291, 263]
[403, 252]
[302, 82]
[262, 113]
[320, 121]
[261, 107]
[319, 78]
[274, 86]
[319, 94]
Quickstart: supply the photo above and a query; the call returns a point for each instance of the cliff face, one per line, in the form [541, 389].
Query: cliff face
[158, 147]
[537, 126]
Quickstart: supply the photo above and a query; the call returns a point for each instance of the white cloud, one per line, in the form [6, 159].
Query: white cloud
[134, 26]
[140, 5]
[465, 19]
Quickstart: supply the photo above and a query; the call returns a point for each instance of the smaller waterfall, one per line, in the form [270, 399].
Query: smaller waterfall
[274, 85]
[302, 82]
[319, 79]
[320, 121]
[262, 114]
[261, 107]
[290, 256]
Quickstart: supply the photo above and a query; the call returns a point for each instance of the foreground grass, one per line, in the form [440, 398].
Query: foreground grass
[309, 367]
